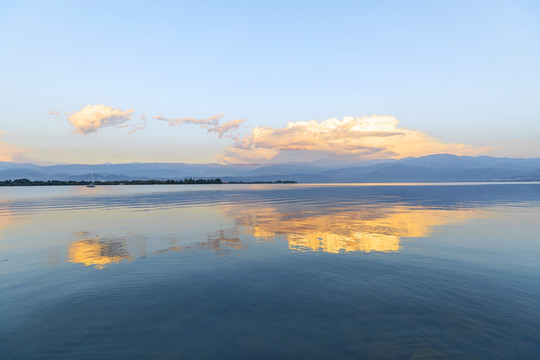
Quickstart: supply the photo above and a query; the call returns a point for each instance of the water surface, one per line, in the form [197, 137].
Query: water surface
[270, 271]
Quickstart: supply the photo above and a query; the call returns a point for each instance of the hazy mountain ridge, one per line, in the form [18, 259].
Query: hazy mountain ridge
[441, 167]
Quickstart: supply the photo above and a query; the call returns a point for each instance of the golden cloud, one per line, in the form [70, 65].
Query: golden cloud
[93, 117]
[368, 137]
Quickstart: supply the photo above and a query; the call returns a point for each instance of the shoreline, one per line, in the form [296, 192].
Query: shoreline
[189, 181]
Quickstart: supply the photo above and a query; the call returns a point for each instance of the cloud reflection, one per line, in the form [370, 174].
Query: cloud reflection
[349, 228]
[221, 241]
[335, 230]
[98, 252]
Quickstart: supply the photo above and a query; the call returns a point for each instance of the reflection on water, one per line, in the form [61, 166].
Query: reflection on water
[332, 220]
[467, 286]
[7, 220]
[220, 242]
[335, 243]
[329, 229]
[98, 251]
[354, 228]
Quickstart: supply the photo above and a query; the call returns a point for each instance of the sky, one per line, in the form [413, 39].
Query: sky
[265, 82]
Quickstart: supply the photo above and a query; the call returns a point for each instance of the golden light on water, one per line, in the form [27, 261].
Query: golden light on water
[335, 243]
[348, 229]
[355, 228]
[98, 252]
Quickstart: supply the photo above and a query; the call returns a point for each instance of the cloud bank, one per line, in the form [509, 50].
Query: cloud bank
[91, 118]
[358, 138]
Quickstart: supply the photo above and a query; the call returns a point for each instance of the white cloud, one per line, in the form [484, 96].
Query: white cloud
[91, 118]
[368, 137]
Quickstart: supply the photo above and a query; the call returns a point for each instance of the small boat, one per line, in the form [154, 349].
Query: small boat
[93, 183]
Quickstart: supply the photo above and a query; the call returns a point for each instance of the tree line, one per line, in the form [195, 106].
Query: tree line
[28, 182]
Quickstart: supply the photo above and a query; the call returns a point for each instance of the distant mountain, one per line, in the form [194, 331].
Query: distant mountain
[471, 162]
[286, 169]
[441, 167]
[129, 171]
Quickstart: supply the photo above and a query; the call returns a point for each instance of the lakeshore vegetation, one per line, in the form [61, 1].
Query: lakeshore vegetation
[187, 181]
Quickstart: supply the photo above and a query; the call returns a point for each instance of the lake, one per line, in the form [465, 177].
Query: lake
[280, 271]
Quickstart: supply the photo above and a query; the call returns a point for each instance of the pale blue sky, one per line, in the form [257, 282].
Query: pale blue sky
[460, 71]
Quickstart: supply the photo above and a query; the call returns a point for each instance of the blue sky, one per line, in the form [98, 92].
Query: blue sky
[459, 72]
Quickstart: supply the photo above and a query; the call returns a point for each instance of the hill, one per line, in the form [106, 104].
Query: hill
[441, 167]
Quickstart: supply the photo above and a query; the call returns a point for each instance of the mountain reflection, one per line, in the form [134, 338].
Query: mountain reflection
[98, 251]
[355, 228]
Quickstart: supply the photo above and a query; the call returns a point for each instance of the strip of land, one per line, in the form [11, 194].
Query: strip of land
[189, 181]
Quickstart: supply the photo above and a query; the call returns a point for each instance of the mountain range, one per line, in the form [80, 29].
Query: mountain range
[440, 167]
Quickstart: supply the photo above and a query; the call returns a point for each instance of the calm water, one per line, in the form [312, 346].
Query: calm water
[270, 271]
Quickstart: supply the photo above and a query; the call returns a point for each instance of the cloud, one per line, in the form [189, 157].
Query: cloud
[91, 118]
[138, 126]
[212, 124]
[223, 129]
[359, 138]
[9, 152]
[211, 121]
[54, 113]
[135, 128]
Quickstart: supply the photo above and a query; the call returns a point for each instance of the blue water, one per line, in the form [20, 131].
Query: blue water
[286, 271]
